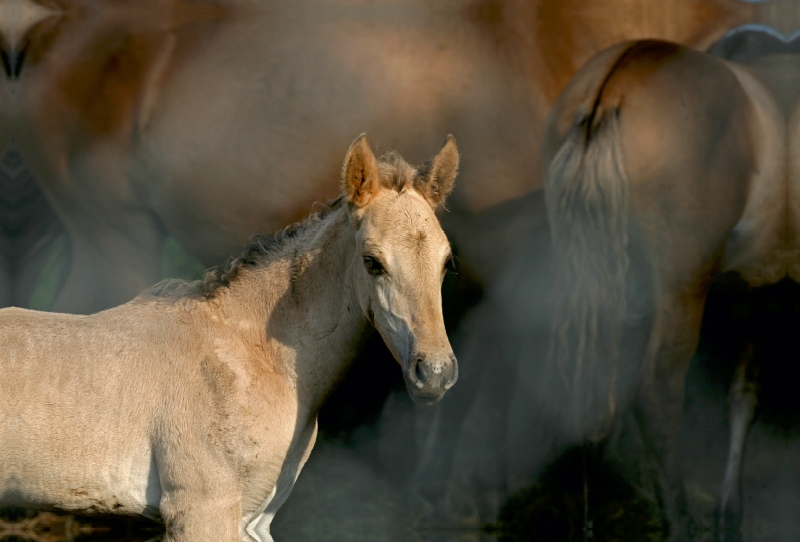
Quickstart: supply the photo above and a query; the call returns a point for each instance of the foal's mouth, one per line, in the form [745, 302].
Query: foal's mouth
[428, 382]
[424, 397]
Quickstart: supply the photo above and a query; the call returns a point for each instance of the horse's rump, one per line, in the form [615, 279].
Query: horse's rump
[650, 141]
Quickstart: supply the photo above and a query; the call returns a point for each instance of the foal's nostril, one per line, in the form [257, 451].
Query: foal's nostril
[454, 377]
[419, 374]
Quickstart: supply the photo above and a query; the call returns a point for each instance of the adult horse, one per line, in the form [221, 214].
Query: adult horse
[196, 403]
[664, 166]
[175, 117]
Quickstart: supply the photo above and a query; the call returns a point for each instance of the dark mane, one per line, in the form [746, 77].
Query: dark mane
[257, 251]
[395, 173]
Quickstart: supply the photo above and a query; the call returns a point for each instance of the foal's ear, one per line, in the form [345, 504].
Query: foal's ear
[360, 173]
[440, 173]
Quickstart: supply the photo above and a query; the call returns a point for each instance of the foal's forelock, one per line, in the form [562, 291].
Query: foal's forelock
[395, 173]
[398, 175]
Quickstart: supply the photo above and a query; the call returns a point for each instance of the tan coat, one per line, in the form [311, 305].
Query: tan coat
[197, 403]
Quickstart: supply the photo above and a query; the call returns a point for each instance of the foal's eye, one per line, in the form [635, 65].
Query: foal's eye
[373, 266]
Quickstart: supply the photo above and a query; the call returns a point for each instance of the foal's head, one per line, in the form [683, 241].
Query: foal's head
[401, 259]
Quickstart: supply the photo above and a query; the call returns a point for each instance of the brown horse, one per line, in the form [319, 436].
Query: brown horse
[664, 166]
[176, 117]
[196, 403]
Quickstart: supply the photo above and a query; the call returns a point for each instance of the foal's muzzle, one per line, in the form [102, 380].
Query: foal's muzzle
[428, 377]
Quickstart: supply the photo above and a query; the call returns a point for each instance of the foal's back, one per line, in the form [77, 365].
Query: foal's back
[67, 355]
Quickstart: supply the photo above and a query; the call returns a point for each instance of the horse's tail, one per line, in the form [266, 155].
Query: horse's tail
[587, 200]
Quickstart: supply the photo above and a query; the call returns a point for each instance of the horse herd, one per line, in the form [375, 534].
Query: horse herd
[663, 166]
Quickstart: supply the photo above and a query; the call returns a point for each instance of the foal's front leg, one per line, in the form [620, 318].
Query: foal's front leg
[259, 528]
[201, 516]
[201, 490]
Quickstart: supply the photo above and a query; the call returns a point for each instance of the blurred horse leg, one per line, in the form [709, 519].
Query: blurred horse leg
[31, 238]
[92, 92]
[115, 254]
[742, 401]
[659, 405]
[762, 249]
[115, 241]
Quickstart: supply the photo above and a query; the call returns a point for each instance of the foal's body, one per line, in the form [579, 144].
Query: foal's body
[197, 403]
[115, 427]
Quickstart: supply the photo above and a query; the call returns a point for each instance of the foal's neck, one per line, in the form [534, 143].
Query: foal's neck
[309, 310]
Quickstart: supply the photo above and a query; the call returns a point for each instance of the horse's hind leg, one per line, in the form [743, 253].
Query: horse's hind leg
[659, 406]
[742, 402]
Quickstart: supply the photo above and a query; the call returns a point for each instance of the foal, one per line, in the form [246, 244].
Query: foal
[196, 403]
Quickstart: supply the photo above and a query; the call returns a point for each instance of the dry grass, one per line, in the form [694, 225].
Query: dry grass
[18, 524]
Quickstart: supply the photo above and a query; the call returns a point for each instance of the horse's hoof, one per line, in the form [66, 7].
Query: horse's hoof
[684, 530]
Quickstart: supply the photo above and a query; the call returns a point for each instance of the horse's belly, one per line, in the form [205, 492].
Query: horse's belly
[763, 246]
[766, 248]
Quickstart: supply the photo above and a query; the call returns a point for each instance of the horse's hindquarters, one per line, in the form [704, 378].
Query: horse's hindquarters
[684, 168]
[75, 423]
